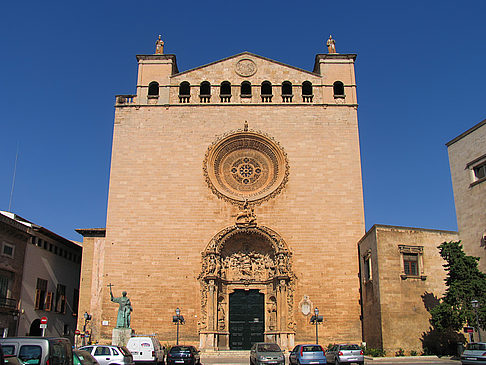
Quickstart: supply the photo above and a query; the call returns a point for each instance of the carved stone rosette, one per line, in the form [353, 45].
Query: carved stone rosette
[246, 258]
[246, 165]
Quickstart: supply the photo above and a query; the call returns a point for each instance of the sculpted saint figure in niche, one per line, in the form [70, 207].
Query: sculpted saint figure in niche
[124, 310]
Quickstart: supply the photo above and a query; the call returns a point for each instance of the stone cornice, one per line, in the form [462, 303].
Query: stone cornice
[91, 232]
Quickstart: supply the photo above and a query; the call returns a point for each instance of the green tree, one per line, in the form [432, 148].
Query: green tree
[464, 283]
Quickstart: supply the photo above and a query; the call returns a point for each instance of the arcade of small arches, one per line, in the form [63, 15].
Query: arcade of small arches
[266, 91]
[247, 284]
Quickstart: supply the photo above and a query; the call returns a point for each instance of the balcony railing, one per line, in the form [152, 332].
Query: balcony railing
[267, 98]
[184, 99]
[225, 98]
[205, 98]
[287, 98]
[125, 99]
[8, 303]
[307, 98]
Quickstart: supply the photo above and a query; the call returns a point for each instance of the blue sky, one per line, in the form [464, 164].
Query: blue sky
[420, 73]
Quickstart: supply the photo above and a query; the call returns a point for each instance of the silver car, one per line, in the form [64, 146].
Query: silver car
[110, 355]
[475, 353]
[345, 354]
[263, 353]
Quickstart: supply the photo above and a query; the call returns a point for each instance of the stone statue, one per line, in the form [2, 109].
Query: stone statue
[247, 217]
[331, 45]
[159, 46]
[124, 310]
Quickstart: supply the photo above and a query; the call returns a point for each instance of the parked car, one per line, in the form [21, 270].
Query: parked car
[307, 354]
[82, 357]
[39, 350]
[266, 353]
[146, 349]
[183, 355]
[475, 353]
[109, 355]
[345, 354]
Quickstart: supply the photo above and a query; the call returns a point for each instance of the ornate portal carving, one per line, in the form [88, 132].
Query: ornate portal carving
[246, 165]
[248, 257]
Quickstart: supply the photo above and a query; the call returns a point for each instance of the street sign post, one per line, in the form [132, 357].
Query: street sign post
[43, 325]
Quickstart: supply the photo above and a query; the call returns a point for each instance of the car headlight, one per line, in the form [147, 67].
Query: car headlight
[280, 358]
[262, 358]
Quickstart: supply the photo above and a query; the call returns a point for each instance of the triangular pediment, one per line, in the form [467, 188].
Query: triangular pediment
[244, 64]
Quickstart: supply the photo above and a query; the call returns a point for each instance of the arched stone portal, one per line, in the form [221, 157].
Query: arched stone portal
[248, 258]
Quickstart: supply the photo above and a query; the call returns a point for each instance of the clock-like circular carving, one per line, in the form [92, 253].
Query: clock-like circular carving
[246, 165]
[245, 67]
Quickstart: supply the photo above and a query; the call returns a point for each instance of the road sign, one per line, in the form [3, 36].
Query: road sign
[43, 325]
[468, 329]
[43, 320]
[77, 332]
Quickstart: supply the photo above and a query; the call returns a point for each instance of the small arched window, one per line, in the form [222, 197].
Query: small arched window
[307, 94]
[245, 89]
[287, 92]
[205, 92]
[153, 89]
[225, 92]
[266, 92]
[338, 88]
[184, 92]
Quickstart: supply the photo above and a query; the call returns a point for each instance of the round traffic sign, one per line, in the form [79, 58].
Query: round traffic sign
[77, 332]
[44, 320]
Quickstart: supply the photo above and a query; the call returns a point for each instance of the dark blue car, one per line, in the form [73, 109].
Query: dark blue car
[307, 354]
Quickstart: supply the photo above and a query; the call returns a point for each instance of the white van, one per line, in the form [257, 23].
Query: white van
[146, 349]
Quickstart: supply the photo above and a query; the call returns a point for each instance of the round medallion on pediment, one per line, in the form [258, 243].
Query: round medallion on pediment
[246, 165]
[245, 67]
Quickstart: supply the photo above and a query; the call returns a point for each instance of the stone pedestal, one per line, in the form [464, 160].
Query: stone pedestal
[120, 336]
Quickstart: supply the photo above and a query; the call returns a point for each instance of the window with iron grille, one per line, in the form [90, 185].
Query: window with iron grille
[410, 264]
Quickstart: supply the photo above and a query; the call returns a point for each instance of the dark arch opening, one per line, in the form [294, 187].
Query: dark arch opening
[307, 88]
[35, 329]
[286, 88]
[266, 88]
[205, 88]
[338, 88]
[153, 89]
[245, 89]
[184, 88]
[225, 88]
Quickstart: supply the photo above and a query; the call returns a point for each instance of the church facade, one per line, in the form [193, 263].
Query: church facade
[236, 196]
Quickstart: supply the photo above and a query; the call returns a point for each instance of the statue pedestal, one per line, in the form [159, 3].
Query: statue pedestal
[120, 336]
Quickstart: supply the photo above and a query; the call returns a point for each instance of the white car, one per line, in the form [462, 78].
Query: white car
[146, 349]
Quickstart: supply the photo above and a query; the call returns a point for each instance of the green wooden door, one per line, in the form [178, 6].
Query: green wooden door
[246, 319]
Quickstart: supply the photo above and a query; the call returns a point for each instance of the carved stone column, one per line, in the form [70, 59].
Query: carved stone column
[212, 306]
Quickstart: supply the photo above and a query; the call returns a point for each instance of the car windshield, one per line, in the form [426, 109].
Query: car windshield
[476, 346]
[268, 347]
[311, 348]
[350, 347]
[180, 349]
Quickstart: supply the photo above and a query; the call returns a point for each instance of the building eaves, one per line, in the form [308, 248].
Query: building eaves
[462, 135]
[248, 54]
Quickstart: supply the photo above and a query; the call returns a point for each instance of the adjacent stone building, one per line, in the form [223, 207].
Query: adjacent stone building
[39, 277]
[235, 195]
[467, 159]
[401, 277]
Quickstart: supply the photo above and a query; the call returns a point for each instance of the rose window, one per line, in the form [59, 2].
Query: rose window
[245, 166]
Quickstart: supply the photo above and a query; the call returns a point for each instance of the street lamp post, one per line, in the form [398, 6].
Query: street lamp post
[178, 319]
[475, 305]
[316, 319]
[87, 318]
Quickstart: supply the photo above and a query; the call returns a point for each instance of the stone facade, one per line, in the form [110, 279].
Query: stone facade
[212, 193]
[401, 276]
[467, 159]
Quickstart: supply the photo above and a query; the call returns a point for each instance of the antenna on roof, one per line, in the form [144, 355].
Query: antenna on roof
[13, 178]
